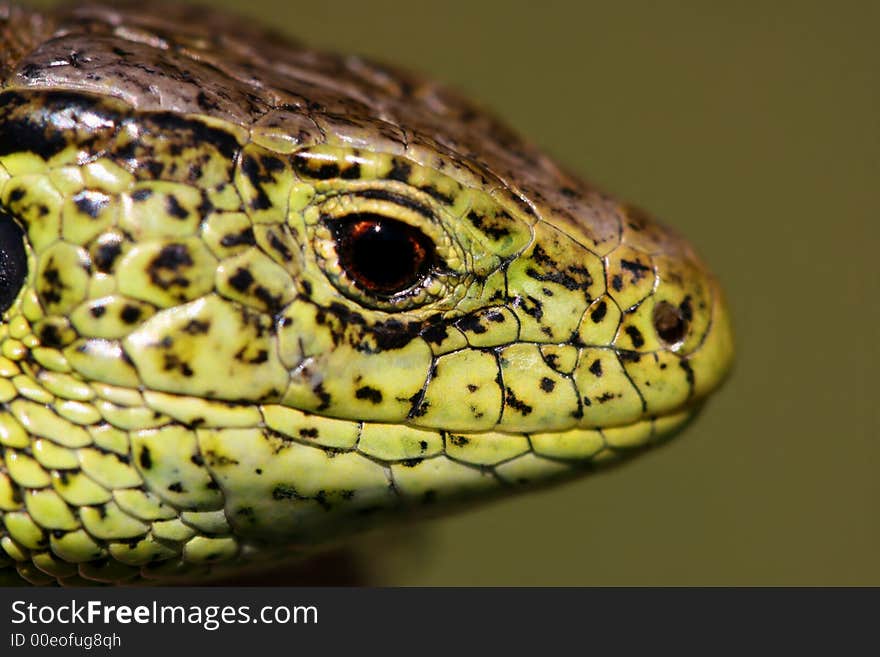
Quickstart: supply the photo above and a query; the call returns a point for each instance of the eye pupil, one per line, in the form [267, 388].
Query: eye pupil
[670, 322]
[382, 256]
[13, 260]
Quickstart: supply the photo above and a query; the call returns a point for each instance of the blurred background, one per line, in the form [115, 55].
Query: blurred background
[754, 128]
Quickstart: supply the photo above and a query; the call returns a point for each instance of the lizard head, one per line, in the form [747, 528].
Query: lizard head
[255, 296]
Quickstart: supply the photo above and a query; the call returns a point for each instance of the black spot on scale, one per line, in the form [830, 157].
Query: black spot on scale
[271, 301]
[617, 282]
[91, 203]
[560, 277]
[106, 254]
[435, 333]
[241, 280]
[170, 259]
[175, 209]
[323, 396]
[130, 314]
[513, 402]
[196, 327]
[235, 239]
[458, 441]
[309, 432]
[627, 356]
[530, 306]
[49, 336]
[372, 395]
[351, 172]
[687, 311]
[273, 165]
[688, 372]
[437, 195]
[540, 256]
[176, 487]
[547, 385]
[205, 207]
[53, 285]
[250, 167]
[482, 223]
[261, 357]
[323, 171]
[635, 336]
[285, 492]
[279, 246]
[637, 269]
[141, 194]
[155, 168]
[470, 323]
[400, 170]
[246, 513]
[598, 313]
[97, 311]
[311, 166]
[387, 335]
[418, 407]
[171, 362]
[145, 458]
[596, 367]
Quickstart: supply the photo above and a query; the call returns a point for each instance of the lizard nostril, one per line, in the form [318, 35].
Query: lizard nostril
[669, 322]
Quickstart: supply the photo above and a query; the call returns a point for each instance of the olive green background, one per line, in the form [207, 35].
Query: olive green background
[754, 129]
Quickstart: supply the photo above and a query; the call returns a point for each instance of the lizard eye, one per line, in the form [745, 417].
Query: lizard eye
[382, 256]
[386, 251]
[13, 260]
